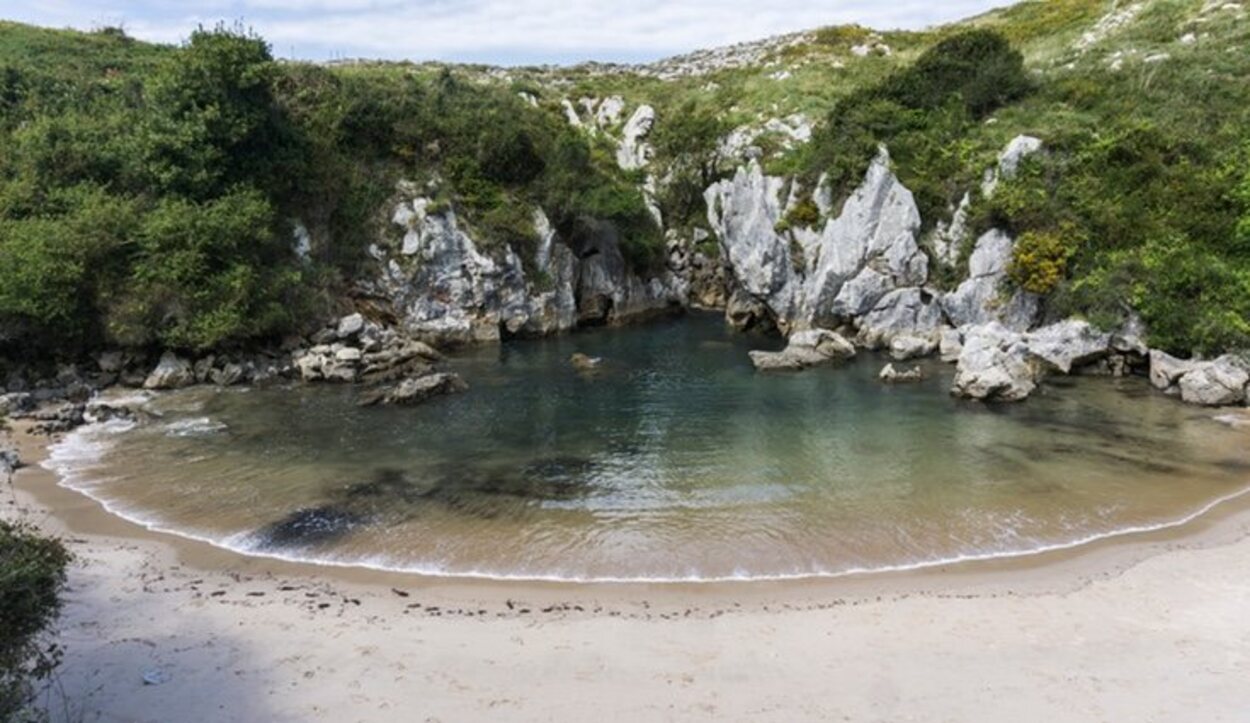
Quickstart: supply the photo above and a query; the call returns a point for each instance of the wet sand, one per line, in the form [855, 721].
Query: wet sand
[1151, 627]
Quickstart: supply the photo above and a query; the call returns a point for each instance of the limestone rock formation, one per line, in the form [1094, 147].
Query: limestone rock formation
[443, 288]
[634, 152]
[1218, 383]
[1166, 370]
[995, 365]
[890, 375]
[981, 298]
[172, 372]
[1068, 344]
[806, 349]
[810, 278]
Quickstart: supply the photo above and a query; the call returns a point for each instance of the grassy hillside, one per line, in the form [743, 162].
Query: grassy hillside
[146, 192]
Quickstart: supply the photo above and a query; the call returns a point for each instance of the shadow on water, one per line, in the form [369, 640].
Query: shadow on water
[394, 496]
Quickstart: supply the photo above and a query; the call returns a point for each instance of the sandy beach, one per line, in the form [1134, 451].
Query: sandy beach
[1152, 628]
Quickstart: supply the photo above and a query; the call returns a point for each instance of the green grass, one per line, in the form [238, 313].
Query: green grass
[1145, 163]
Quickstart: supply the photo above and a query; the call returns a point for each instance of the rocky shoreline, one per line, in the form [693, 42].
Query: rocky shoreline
[856, 277]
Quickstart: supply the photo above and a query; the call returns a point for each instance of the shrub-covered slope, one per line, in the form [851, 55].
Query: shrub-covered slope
[147, 193]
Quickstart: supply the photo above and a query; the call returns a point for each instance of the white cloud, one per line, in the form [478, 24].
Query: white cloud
[503, 31]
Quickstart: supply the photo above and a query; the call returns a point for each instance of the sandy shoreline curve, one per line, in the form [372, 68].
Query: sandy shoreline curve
[1149, 626]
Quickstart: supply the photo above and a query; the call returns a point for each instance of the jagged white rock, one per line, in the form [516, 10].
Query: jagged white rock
[995, 365]
[805, 349]
[1218, 383]
[1068, 344]
[634, 152]
[844, 270]
[980, 298]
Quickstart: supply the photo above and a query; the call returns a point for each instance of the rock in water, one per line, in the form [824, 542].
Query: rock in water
[309, 526]
[995, 366]
[1166, 370]
[415, 390]
[171, 373]
[1219, 383]
[890, 375]
[806, 349]
[583, 363]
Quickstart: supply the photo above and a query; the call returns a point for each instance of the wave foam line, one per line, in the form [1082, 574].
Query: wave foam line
[234, 543]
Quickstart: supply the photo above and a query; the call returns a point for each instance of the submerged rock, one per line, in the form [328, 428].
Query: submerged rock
[806, 349]
[309, 526]
[415, 391]
[583, 363]
[890, 375]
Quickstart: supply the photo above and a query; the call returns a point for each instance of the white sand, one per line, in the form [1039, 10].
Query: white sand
[1093, 637]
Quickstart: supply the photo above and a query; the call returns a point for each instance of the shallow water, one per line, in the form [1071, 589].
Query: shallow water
[675, 462]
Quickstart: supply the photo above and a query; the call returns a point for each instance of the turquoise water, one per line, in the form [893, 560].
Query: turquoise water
[675, 461]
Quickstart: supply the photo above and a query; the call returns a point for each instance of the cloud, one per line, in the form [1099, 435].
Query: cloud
[499, 31]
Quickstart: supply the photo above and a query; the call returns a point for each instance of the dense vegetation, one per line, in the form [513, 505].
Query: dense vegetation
[147, 193]
[32, 570]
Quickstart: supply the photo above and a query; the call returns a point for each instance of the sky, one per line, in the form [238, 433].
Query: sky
[502, 32]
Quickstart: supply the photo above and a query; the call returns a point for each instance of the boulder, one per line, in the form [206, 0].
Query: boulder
[10, 462]
[228, 375]
[1009, 161]
[1166, 370]
[903, 348]
[913, 313]
[806, 349]
[995, 365]
[744, 313]
[890, 375]
[415, 390]
[1218, 383]
[171, 372]
[1068, 344]
[348, 355]
[202, 367]
[350, 326]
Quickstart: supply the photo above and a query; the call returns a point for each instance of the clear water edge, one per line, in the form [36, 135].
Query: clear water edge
[89, 461]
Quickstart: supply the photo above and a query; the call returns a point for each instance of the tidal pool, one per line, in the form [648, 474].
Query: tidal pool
[676, 461]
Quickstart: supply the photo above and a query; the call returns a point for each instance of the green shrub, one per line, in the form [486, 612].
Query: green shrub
[922, 114]
[207, 275]
[1040, 259]
[32, 572]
